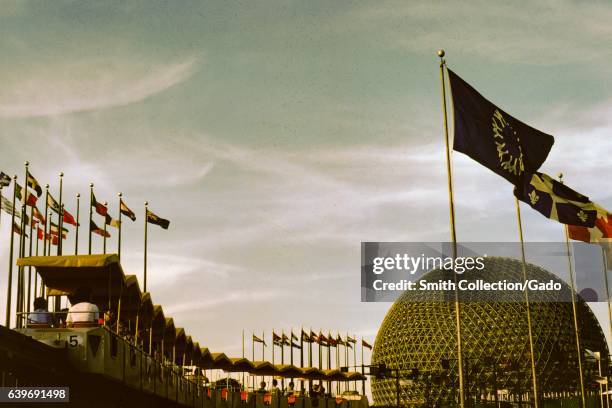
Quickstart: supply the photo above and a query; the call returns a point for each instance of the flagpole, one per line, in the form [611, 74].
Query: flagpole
[242, 333]
[20, 282]
[30, 254]
[36, 272]
[574, 311]
[441, 54]
[76, 236]
[146, 223]
[61, 215]
[46, 219]
[91, 186]
[536, 396]
[362, 369]
[104, 238]
[605, 273]
[120, 224]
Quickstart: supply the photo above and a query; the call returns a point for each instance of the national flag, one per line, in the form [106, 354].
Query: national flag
[69, 219]
[493, 138]
[305, 337]
[294, 337]
[96, 230]
[53, 239]
[557, 201]
[286, 340]
[126, 211]
[600, 232]
[258, 340]
[51, 203]
[350, 339]
[17, 230]
[19, 191]
[7, 206]
[40, 233]
[332, 342]
[276, 339]
[33, 184]
[38, 215]
[5, 179]
[100, 208]
[154, 219]
[322, 340]
[54, 229]
[340, 341]
[111, 221]
[313, 337]
[295, 345]
[366, 344]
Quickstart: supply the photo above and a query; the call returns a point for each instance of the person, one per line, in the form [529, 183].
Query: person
[262, 387]
[290, 389]
[274, 389]
[41, 314]
[82, 310]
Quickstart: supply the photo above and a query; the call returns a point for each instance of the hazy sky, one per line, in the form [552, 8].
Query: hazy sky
[278, 135]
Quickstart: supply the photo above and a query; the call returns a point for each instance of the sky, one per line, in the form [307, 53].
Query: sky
[276, 136]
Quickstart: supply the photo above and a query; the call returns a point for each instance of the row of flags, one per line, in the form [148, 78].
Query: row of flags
[312, 337]
[516, 151]
[31, 199]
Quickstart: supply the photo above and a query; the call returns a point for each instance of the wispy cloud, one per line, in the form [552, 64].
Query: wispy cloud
[525, 32]
[89, 85]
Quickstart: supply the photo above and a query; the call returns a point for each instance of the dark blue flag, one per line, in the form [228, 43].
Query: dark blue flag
[557, 201]
[493, 138]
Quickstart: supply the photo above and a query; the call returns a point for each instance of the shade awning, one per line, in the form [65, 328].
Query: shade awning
[158, 324]
[240, 365]
[221, 361]
[63, 275]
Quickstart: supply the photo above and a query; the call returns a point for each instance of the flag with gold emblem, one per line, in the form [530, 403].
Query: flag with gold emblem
[154, 219]
[557, 201]
[492, 137]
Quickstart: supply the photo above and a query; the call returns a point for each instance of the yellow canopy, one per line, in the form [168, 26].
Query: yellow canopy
[63, 275]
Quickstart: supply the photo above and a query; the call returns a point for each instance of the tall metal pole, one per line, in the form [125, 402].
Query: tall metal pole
[60, 222]
[91, 186]
[46, 222]
[146, 223]
[104, 238]
[30, 254]
[362, 370]
[451, 202]
[574, 310]
[76, 234]
[120, 225]
[536, 395]
[20, 293]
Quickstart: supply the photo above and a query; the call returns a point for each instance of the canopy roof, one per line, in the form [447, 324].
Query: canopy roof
[221, 361]
[63, 275]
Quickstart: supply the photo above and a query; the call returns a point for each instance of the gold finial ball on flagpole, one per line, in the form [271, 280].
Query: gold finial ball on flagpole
[47, 186]
[78, 195]
[106, 203]
[61, 174]
[560, 176]
[120, 194]
[27, 163]
[91, 185]
[146, 203]
[441, 53]
[15, 177]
